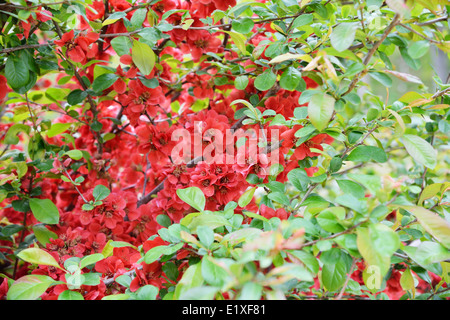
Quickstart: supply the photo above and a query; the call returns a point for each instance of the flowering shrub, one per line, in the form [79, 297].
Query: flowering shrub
[223, 149]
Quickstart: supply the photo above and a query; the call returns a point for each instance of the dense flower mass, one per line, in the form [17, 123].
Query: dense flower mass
[146, 144]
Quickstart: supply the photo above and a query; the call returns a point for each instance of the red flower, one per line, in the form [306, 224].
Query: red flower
[95, 11]
[150, 274]
[109, 214]
[111, 267]
[78, 49]
[304, 150]
[3, 288]
[201, 41]
[156, 140]
[3, 87]
[282, 105]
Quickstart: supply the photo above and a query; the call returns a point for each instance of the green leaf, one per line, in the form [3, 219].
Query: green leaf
[418, 49]
[420, 150]
[290, 79]
[251, 291]
[244, 25]
[29, 287]
[429, 192]
[349, 201]
[121, 244]
[343, 35]
[246, 197]
[74, 154]
[43, 235]
[376, 244]
[295, 271]
[143, 57]
[382, 78]
[407, 280]
[38, 256]
[209, 220]
[299, 179]
[193, 196]
[11, 135]
[156, 252]
[205, 235]
[104, 81]
[428, 252]
[138, 17]
[150, 83]
[309, 260]
[366, 154]
[76, 97]
[327, 219]
[371, 182]
[191, 278]
[241, 82]
[241, 235]
[44, 210]
[320, 110]
[16, 71]
[335, 164]
[100, 192]
[121, 45]
[350, 187]
[432, 223]
[265, 80]
[70, 295]
[302, 20]
[91, 259]
[199, 293]
[213, 272]
[335, 268]
[113, 18]
[58, 128]
[147, 292]
[279, 197]
[238, 39]
[119, 296]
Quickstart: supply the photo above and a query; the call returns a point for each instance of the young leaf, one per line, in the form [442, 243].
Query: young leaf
[38, 256]
[420, 150]
[29, 287]
[193, 196]
[320, 110]
[246, 197]
[143, 57]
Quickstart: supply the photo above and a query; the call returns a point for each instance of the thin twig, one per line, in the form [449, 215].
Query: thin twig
[419, 34]
[370, 54]
[339, 297]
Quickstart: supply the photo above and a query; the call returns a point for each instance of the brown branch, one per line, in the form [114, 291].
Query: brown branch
[26, 46]
[372, 51]
[419, 34]
[440, 93]
[426, 23]
[341, 294]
